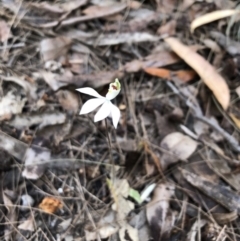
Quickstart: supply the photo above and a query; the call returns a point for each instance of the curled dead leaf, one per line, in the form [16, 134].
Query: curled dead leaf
[168, 29]
[50, 205]
[205, 70]
[179, 75]
[58, 8]
[159, 72]
[127, 233]
[224, 218]
[155, 60]
[52, 48]
[179, 144]
[179, 147]
[22, 81]
[27, 225]
[34, 158]
[11, 104]
[160, 218]
[72, 5]
[213, 16]
[104, 232]
[185, 75]
[96, 9]
[108, 10]
[11, 214]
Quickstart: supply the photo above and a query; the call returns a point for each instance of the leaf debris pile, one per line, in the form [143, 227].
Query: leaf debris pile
[173, 168]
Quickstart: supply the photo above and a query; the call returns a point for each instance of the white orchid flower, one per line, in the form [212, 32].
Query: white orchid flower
[107, 108]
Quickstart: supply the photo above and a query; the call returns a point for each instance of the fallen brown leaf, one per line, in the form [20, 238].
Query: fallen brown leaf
[53, 81]
[13, 146]
[224, 218]
[168, 29]
[47, 7]
[160, 217]
[72, 5]
[104, 232]
[166, 6]
[28, 225]
[52, 48]
[29, 87]
[10, 216]
[108, 10]
[213, 16]
[95, 80]
[50, 205]
[34, 158]
[119, 38]
[105, 227]
[179, 144]
[68, 100]
[185, 75]
[159, 72]
[223, 4]
[130, 232]
[134, 4]
[182, 75]
[95, 10]
[156, 60]
[235, 120]
[41, 119]
[119, 189]
[186, 4]
[212, 45]
[206, 71]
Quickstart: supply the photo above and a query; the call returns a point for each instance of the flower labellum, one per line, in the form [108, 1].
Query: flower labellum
[107, 108]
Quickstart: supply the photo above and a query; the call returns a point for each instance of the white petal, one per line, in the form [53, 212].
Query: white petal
[90, 91]
[103, 112]
[115, 115]
[91, 105]
[112, 94]
[147, 191]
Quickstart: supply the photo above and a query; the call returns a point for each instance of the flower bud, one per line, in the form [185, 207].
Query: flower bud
[114, 89]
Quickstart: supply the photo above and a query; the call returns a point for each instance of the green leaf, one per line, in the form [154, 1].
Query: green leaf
[135, 195]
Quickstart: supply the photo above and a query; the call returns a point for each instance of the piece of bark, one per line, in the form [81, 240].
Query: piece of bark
[220, 194]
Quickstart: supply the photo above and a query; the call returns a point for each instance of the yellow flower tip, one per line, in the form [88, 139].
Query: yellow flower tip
[114, 89]
[114, 86]
[118, 84]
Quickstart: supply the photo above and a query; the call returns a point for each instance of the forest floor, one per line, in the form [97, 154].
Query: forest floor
[170, 170]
